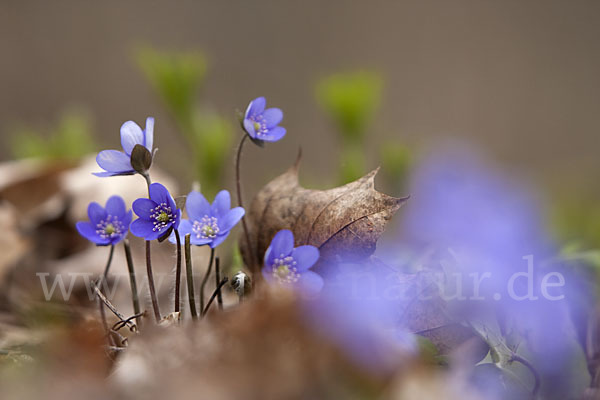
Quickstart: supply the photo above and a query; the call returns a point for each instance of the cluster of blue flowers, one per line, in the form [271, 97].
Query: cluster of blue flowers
[207, 224]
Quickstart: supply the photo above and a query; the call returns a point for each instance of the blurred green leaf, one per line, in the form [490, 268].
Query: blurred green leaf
[176, 77]
[396, 160]
[70, 140]
[352, 165]
[351, 100]
[212, 137]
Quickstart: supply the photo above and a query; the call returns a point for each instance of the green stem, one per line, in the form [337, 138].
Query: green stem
[132, 281]
[190, 277]
[205, 279]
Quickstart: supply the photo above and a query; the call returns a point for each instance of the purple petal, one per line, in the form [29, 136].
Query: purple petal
[159, 194]
[107, 174]
[249, 128]
[115, 206]
[127, 220]
[273, 135]
[231, 219]
[221, 205]
[144, 229]
[256, 106]
[177, 217]
[282, 243]
[131, 134]
[185, 227]
[149, 134]
[143, 208]
[273, 117]
[196, 206]
[305, 257]
[310, 283]
[218, 240]
[267, 273]
[114, 161]
[96, 213]
[88, 231]
[199, 242]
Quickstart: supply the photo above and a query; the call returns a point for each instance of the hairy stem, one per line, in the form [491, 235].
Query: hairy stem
[531, 368]
[132, 281]
[178, 272]
[212, 298]
[217, 281]
[100, 284]
[238, 184]
[190, 277]
[205, 279]
[151, 283]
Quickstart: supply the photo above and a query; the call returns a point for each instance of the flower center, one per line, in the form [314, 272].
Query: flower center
[284, 269]
[206, 228]
[260, 127]
[109, 228]
[162, 216]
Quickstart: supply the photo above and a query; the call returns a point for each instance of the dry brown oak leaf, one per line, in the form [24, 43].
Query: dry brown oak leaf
[344, 222]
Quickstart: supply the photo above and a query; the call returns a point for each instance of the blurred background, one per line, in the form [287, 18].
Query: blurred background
[362, 84]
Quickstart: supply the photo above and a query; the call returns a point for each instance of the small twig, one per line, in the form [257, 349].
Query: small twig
[223, 282]
[205, 279]
[217, 280]
[531, 368]
[108, 304]
[190, 277]
[120, 324]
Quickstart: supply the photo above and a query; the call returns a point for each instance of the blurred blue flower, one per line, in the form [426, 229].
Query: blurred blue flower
[489, 236]
[115, 162]
[108, 225]
[261, 124]
[209, 224]
[156, 215]
[289, 266]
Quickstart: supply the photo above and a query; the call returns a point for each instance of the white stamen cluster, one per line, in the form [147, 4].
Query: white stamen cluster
[206, 228]
[162, 216]
[284, 269]
[109, 228]
[260, 125]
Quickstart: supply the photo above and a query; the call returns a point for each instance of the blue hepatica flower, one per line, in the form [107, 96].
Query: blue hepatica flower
[209, 223]
[115, 162]
[156, 215]
[107, 225]
[289, 266]
[261, 124]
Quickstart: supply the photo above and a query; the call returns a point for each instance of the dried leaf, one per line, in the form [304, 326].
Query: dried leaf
[345, 221]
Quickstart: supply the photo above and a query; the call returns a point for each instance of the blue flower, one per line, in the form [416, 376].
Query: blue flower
[261, 124]
[115, 162]
[108, 225]
[290, 266]
[156, 215]
[209, 224]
